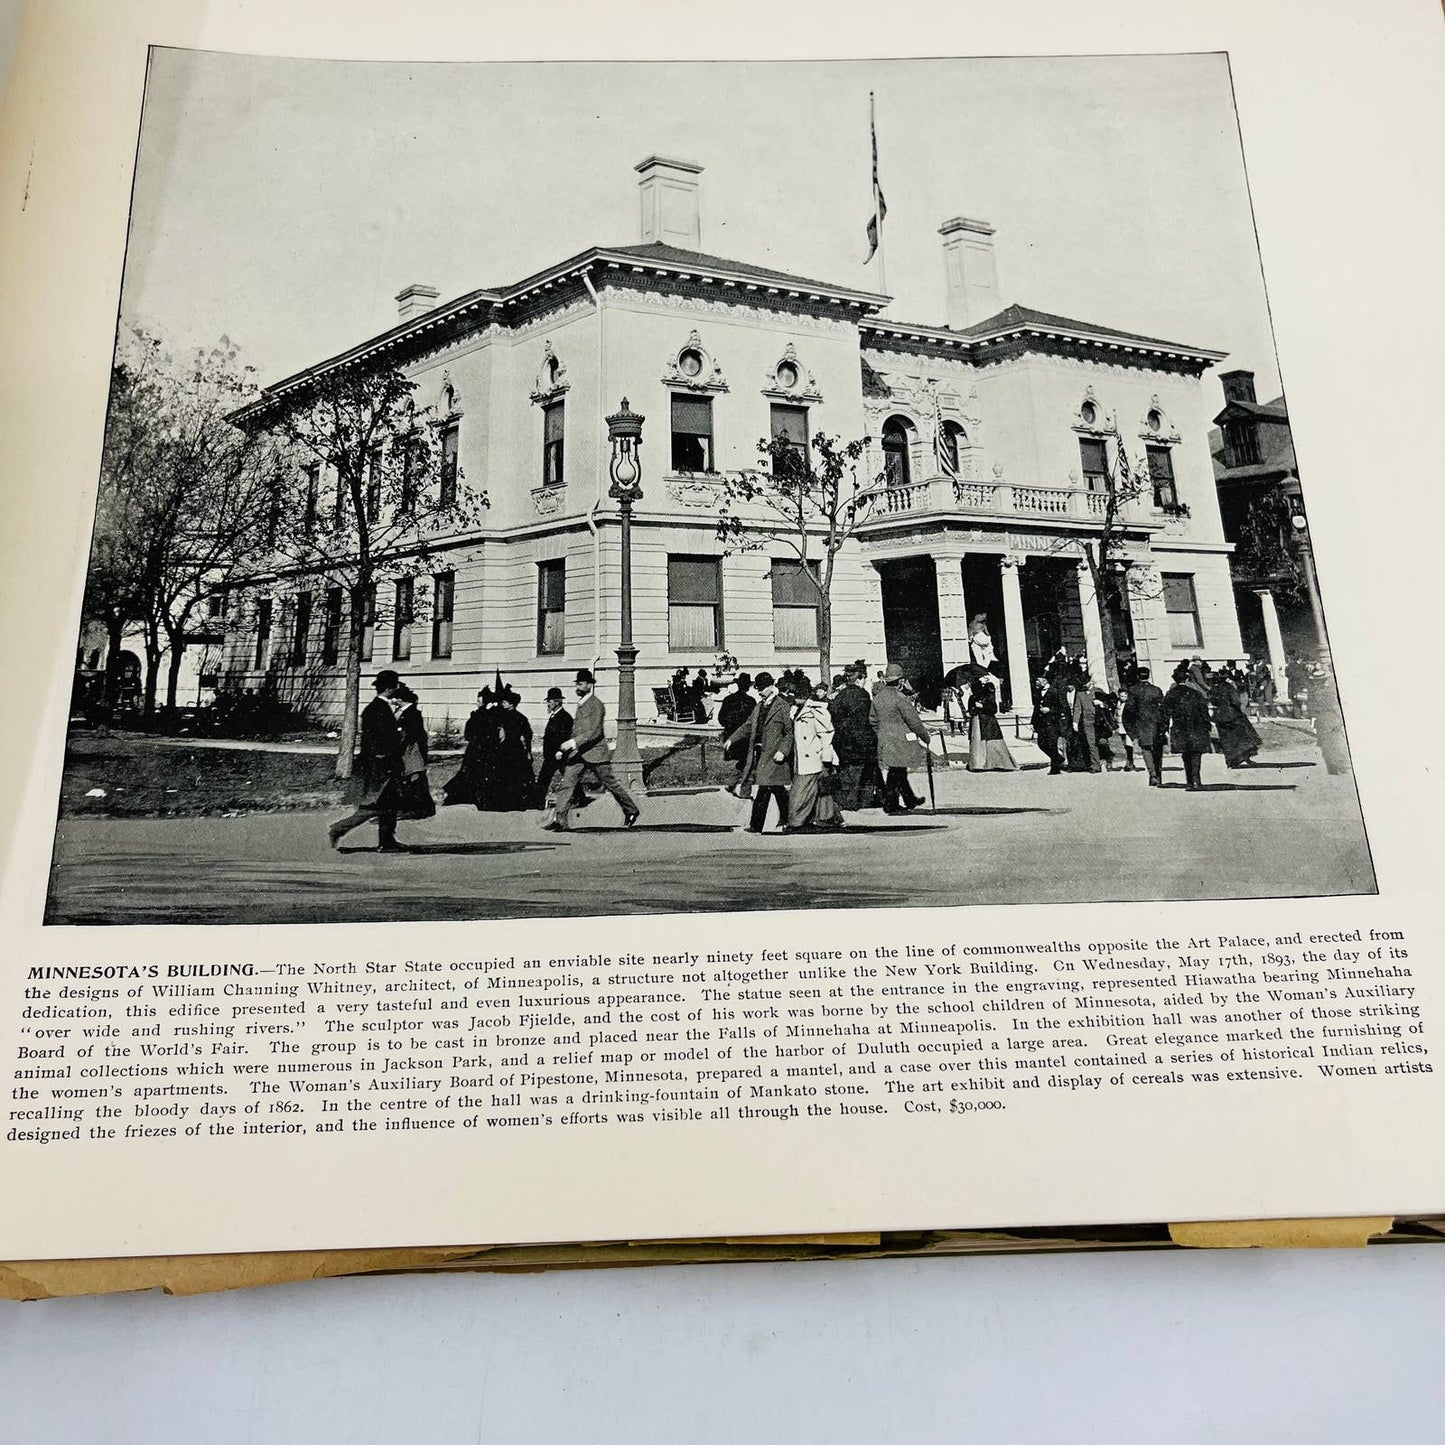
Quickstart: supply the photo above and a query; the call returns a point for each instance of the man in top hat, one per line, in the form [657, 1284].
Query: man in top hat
[379, 768]
[854, 739]
[586, 752]
[557, 731]
[901, 740]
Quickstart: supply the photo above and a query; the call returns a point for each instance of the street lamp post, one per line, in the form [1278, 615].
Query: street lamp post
[624, 432]
[1305, 551]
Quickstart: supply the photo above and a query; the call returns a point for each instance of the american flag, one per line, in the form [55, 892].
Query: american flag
[880, 206]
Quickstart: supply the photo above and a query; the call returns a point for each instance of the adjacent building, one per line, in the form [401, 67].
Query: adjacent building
[996, 429]
[1260, 507]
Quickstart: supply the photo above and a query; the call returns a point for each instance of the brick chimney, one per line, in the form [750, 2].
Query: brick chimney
[1238, 386]
[969, 271]
[671, 196]
[414, 300]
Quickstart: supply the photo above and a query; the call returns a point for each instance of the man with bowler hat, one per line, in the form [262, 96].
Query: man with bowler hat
[586, 752]
[378, 768]
[557, 731]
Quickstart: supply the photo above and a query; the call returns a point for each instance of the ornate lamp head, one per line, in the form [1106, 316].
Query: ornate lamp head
[624, 431]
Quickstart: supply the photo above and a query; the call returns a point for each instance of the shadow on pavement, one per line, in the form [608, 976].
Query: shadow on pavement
[460, 848]
[981, 812]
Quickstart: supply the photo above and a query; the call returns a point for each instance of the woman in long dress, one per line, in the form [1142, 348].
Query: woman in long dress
[1238, 740]
[514, 783]
[414, 799]
[811, 805]
[467, 785]
[987, 750]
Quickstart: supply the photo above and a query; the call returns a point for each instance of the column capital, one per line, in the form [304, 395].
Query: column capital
[1011, 561]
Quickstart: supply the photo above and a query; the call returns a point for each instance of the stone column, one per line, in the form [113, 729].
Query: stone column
[1015, 638]
[952, 611]
[1274, 641]
[1093, 628]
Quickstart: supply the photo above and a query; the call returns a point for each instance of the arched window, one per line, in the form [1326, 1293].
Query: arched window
[952, 439]
[897, 436]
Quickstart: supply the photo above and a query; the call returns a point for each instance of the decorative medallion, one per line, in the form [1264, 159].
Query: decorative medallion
[547, 499]
[1156, 425]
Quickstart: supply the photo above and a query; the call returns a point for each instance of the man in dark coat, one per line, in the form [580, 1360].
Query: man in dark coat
[557, 731]
[770, 753]
[854, 741]
[1186, 706]
[378, 768]
[1144, 722]
[902, 740]
[732, 716]
[586, 753]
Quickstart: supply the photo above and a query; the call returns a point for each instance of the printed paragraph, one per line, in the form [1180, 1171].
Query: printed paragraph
[735, 1039]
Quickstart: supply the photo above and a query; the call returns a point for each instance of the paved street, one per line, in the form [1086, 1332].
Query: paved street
[1283, 828]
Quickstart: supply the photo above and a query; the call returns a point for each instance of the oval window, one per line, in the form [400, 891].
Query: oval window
[1088, 413]
[690, 363]
[787, 376]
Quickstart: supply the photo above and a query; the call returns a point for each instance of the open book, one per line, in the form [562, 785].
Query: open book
[635, 650]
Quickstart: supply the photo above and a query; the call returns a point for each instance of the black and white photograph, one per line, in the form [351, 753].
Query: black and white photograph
[584, 489]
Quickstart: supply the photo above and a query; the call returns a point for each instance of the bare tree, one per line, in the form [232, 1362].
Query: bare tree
[366, 483]
[808, 497]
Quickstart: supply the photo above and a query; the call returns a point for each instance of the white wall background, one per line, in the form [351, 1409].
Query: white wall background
[1244, 1348]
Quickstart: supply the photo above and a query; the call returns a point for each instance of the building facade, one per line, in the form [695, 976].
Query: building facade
[995, 436]
[1260, 506]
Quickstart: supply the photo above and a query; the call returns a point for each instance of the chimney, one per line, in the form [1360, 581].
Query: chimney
[1238, 386]
[671, 196]
[414, 300]
[969, 271]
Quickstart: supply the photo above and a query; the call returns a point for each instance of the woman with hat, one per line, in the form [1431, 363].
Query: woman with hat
[987, 750]
[811, 804]
[901, 740]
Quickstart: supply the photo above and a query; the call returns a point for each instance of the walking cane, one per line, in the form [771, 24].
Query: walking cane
[932, 796]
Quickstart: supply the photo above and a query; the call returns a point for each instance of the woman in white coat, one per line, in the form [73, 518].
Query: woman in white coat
[811, 805]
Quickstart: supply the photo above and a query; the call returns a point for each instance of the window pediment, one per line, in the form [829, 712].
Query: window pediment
[1091, 419]
[1156, 425]
[551, 377]
[789, 380]
[694, 368]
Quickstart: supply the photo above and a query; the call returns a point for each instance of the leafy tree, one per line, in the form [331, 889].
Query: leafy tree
[363, 488]
[180, 491]
[811, 496]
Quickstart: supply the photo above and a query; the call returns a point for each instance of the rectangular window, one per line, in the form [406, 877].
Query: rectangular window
[789, 424]
[331, 632]
[552, 606]
[795, 606]
[1241, 444]
[406, 493]
[553, 433]
[368, 623]
[338, 514]
[301, 636]
[694, 604]
[450, 437]
[402, 619]
[1161, 473]
[373, 485]
[692, 434]
[1182, 608]
[313, 483]
[444, 591]
[263, 634]
[1094, 462]
[216, 603]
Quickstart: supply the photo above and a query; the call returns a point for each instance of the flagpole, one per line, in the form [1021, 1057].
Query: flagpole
[877, 218]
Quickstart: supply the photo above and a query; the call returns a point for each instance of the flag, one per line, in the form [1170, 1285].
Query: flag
[880, 206]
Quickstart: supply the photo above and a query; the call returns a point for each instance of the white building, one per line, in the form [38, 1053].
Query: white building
[994, 427]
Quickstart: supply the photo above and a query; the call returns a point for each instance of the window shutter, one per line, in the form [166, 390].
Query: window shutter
[791, 423]
[554, 586]
[791, 587]
[694, 579]
[1161, 464]
[552, 422]
[692, 414]
[1094, 456]
[1178, 592]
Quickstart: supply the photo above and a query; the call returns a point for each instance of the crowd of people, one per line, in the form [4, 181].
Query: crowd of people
[810, 752]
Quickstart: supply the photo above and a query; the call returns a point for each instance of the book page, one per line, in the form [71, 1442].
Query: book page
[619, 637]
